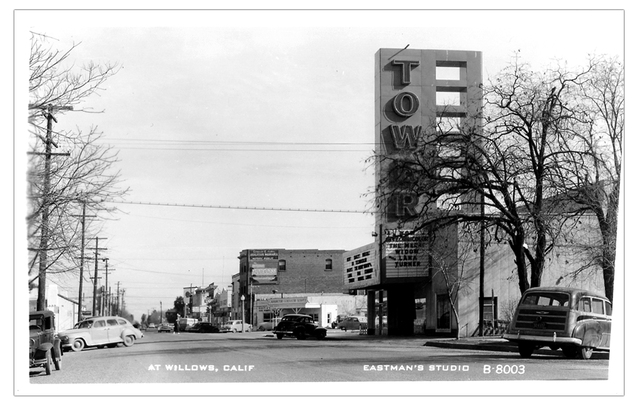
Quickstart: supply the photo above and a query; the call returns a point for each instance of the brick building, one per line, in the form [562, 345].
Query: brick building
[279, 281]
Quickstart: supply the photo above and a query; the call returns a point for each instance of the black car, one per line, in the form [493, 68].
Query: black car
[44, 345]
[299, 326]
[203, 327]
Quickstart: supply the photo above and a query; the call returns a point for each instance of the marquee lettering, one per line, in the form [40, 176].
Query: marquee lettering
[406, 69]
[405, 136]
[406, 104]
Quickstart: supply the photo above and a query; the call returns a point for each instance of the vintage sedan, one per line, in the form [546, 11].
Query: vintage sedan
[44, 344]
[575, 320]
[353, 323]
[100, 331]
[236, 326]
[299, 326]
[203, 327]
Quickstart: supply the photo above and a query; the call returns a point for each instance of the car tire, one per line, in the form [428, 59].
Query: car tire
[234, 330]
[260, 328]
[525, 350]
[129, 340]
[280, 336]
[586, 353]
[321, 335]
[47, 364]
[78, 344]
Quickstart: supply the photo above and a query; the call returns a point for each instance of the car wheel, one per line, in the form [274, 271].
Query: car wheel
[525, 350]
[321, 335]
[570, 351]
[47, 364]
[280, 336]
[128, 340]
[586, 353]
[260, 328]
[78, 345]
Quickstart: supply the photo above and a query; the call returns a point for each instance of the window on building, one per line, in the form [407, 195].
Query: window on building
[490, 308]
[328, 264]
[282, 265]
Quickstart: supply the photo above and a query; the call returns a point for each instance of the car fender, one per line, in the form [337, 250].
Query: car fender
[41, 350]
[590, 332]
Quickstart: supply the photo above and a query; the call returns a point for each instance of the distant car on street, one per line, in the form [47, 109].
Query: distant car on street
[203, 327]
[299, 326]
[267, 325]
[100, 331]
[165, 328]
[152, 326]
[353, 323]
[236, 326]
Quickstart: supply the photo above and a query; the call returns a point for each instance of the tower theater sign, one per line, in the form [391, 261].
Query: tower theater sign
[417, 92]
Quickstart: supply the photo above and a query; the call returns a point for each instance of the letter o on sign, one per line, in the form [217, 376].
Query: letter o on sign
[406, 104]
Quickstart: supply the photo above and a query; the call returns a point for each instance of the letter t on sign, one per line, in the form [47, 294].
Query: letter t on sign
[406, 69]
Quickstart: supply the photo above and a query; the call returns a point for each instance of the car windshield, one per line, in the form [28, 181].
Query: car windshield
[546, 299]
[84, 324]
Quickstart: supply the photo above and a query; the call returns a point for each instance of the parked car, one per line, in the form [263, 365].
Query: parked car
[165, 328]
[339, 319]
[152, 326]
[575, 320]
[299, 326]
[267, 325]
[44, 345]
[203, 327]
[100, 331]
[353, 323]
[236, 326]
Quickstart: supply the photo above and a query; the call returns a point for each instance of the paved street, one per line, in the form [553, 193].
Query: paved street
[341, 357]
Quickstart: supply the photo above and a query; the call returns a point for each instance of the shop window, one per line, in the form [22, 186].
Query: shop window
[328, 264]
[282, 265]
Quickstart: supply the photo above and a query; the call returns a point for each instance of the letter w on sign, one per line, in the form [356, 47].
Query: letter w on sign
[405, 137]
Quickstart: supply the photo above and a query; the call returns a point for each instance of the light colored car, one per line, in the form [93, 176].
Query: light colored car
[235, 326]
[268, 325]
[99, 331]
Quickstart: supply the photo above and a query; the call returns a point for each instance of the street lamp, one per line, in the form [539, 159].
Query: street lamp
[242, 299]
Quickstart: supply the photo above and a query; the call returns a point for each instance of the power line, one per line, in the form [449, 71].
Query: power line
[341, 211]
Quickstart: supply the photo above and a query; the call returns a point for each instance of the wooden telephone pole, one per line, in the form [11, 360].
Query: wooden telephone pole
[46, 189]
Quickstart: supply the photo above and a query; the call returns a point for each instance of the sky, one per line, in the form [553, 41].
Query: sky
[270, 113]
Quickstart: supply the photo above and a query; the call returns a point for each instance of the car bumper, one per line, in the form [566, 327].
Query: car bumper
[542, 339]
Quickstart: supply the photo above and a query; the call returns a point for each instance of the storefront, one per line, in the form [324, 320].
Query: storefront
[320, 308]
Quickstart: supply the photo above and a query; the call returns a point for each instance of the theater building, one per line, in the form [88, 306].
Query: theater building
[417, 91]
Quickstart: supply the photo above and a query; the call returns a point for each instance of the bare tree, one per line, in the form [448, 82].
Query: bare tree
[591, 163]
[449, 261]
[79, 172]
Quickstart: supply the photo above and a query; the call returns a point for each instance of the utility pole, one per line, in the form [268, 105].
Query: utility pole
[106, 285]
[46, 189]
[82, 258]
[95, 278]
